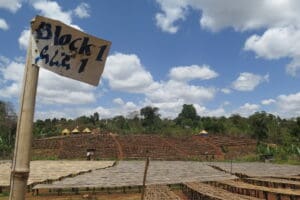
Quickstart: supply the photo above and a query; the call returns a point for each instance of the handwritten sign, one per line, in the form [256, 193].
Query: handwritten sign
[68, 51]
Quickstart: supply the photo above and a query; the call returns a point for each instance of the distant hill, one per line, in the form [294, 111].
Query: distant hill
[113, 146]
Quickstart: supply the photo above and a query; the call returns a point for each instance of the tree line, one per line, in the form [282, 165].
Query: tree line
[262, 126]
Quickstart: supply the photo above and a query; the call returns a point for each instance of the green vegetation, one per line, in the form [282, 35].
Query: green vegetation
[280, 153]
[8, 126]
[276, 137]
[34, 157]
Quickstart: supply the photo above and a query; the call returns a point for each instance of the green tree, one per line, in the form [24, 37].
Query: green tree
[94, 118]
[259, 125]
[188, 117]
[84, 120]
[295, 129]
[213, 125]
[120, 124]
[8, 125]
[151, 119]
[39, 128]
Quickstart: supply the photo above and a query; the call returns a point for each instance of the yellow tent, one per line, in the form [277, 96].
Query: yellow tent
[86, 130]
[75, 131]
[65, 132]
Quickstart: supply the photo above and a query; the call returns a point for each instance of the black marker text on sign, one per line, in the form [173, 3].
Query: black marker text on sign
[58, 47]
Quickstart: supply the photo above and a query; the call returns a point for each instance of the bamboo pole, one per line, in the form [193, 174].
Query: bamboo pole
[22, 153]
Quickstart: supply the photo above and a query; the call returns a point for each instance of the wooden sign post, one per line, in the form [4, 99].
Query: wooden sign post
[144, 179]
[65, 51]
[20, 167]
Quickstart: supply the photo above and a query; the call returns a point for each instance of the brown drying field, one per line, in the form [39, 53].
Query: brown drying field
[79, 197]
[101, 180]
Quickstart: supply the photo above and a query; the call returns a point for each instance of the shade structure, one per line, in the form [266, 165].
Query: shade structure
[65, 131]
[203, 132]
[75, 131]
[86, 130]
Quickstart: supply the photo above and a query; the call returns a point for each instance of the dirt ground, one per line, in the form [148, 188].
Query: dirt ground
[105, 196]
[79, 197]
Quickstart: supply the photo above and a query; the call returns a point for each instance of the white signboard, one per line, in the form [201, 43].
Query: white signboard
[68, 51]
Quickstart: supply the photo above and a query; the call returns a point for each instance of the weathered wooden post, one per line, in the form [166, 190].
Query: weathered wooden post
[21, 160]
[145, 177]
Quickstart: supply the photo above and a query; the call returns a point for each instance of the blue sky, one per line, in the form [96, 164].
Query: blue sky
[225, 57]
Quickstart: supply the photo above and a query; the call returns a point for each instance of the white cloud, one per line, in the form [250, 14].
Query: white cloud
[173, 10]
[268, 101]
[50, 114]
[278, 43]
[12, 71]
[124, 110]
[55, 89]
[251, 14]
[248, 81]
[289, 105]
[24, 39]
[226, 90]
[104, 112]
[4, 61]
[247, 109]
[225, 103]
[73, 112]
[171, 110]
[11, 5]
[280, 19]
[49, 9]
[52, 88]
[130, 106]
[118, 101]
[171, 95]
[214, 112]
[167, 109]
[3, 24]
[174, 90]
[82, 10]
[216, 15]
[187, 73]
[110, 112]
[125, 72]
[11, 74]
[52, 10]
[9, 91]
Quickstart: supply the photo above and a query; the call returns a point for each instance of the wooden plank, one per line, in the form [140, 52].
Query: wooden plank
[209, 192]
[158, 192]
[240, 185]
[293, 178]
[256, 169]
[274, 182]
